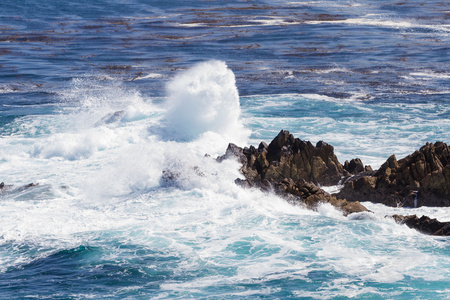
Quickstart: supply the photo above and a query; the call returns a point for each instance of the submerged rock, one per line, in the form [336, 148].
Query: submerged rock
[9, 187]
[111, 118]
[420, 179]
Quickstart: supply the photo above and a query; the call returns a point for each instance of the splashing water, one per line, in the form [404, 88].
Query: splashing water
[204, 99]
[105, 217]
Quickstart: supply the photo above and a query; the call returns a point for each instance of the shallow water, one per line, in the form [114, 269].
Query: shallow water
[98, 107]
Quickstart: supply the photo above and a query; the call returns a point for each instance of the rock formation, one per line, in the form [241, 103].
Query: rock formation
[355, 166]
[424, 224]
[293, 168]
[289, 157]
[422, 178]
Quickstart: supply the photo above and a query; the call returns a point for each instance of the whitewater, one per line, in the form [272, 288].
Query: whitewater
[117, 125]
[103, 221]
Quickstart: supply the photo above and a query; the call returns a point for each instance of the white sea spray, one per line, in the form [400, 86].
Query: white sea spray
[102, 188]
[204, 99]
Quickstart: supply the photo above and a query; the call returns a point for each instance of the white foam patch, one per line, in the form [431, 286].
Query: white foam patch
[150, 75]
[255, 22]
[354, 97]
[403, 24]
[430, 75]
[328, 210]
[342, 288]
[73, 146]
[273, 21]
[440, 213]
[332, 189]
[6, 90]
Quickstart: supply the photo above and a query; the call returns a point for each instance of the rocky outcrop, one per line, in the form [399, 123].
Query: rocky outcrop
[422, 178]
[289, 157]
[311, 195]
[293, 169]
[424, 224]
[304, 193]
[355, 166]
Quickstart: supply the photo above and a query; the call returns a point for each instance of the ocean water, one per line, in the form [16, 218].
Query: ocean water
[111, 107]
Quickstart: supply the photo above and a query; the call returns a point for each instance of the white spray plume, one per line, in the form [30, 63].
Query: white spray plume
[204, 99]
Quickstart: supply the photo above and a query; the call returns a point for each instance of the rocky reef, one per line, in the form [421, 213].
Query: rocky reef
[420, 179]
[296, 169]
[424, 224]
[293, 169]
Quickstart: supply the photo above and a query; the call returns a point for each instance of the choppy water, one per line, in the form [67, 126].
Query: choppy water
[97, 100]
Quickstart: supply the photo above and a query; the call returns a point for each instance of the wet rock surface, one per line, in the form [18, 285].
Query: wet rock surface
[289, 157]
[424, 224]
[295, 169]
[420, 179]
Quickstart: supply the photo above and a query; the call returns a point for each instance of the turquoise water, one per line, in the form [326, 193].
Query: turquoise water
[99, 100]
[368, 129]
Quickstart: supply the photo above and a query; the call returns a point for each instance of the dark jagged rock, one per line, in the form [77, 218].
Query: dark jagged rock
[355, 166]
[422, 178]
[289, 157]
[292, 168]
[311, 196]
[234, 151]
[424, 224]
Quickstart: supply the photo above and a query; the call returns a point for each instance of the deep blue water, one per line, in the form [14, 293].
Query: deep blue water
[99, 98]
